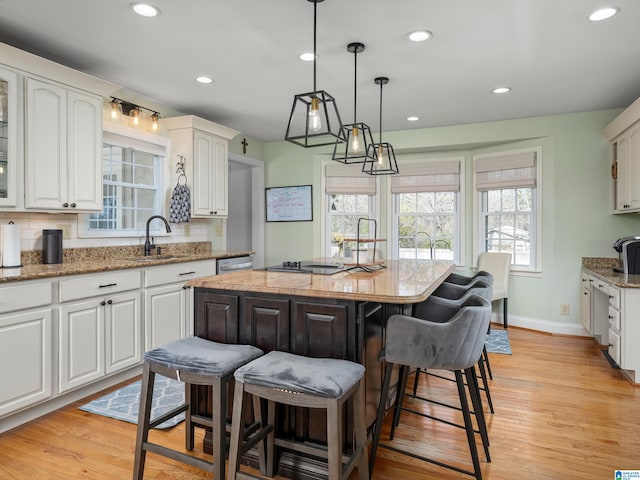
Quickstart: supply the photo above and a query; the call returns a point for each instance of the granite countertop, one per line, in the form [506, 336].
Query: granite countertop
[602, 268]
[108, 259]
[402, 281]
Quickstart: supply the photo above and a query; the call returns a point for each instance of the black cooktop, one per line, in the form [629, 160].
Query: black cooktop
[308, 267]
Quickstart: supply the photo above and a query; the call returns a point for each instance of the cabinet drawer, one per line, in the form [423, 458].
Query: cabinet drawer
[601, 285]
[614, 297]
[25, 295]
[178, 272]
[614, 318]
[85, 286]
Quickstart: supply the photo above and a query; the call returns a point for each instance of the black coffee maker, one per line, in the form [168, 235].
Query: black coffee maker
[628, 249]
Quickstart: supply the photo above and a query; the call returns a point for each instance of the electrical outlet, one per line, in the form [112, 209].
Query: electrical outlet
[218, 230]
[66, 230]
[564, 309]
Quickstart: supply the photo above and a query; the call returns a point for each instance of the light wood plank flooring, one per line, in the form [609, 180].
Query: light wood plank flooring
[561, 413]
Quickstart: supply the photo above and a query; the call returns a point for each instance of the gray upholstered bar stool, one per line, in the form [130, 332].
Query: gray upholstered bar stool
[326, 383]
[453, 345]
[460, 279]
[194, 361]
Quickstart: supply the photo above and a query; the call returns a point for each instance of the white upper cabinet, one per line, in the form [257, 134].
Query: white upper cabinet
[63, 148]
[8, 137]
[204, 145]
[624, 135]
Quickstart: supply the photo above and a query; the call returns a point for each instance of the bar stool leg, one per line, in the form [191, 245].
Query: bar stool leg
[380, 418]
[219, 417]
[144, 415]
[236, 426]
[334, 438]
[189, 427]
[468, 425]
[361, 431]
[402, 384]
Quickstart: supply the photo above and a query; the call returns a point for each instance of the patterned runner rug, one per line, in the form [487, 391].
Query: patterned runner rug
[498, 342]
[123, 404]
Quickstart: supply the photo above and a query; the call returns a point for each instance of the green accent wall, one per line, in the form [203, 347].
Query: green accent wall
[576, 210]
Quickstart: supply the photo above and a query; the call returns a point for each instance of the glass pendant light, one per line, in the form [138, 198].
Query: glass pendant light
[355, 148]
[385, 163]
[314, 120]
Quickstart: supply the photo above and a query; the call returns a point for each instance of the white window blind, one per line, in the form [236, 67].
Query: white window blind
[348, 179]
[516, 170]
[428, 177]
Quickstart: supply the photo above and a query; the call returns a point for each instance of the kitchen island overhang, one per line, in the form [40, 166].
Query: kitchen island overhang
[337, 316]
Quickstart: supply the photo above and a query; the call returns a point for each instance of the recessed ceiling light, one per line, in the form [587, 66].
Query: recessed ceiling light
[420, 35]
[603, 14]
[413, 118]
[145, 10]
[501, 90]
[306, 57]
[204, 79]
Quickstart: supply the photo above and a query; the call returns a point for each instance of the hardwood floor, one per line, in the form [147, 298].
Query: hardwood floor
[561, 412]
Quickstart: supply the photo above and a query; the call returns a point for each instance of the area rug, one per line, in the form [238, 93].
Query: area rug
[123, 404]
[498, 342]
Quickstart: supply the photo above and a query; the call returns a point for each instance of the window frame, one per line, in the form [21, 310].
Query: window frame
[536, 234]
[127, 137]
[329, 216]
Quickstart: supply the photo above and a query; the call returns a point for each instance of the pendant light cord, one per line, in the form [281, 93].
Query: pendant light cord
[315, 10]
[380, 113]
[355, 84]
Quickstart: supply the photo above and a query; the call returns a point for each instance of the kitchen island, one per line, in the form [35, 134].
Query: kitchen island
[338, 316]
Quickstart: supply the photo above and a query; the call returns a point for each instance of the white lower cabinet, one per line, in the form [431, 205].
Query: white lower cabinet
[25, 359]
[26, 350]
[168, 302]
[102, 334]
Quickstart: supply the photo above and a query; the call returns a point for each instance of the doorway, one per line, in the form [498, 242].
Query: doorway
[245, 223]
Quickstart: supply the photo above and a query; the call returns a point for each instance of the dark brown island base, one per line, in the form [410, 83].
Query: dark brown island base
[337, 316]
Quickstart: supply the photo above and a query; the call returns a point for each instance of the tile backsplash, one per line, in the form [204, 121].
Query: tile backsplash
[32, 224]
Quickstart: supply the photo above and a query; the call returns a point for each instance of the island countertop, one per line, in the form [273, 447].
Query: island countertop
[401, 282]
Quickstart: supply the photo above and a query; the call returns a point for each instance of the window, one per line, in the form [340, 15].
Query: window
[349, 196]
[507, 186]
[426, 221]
[131, 187]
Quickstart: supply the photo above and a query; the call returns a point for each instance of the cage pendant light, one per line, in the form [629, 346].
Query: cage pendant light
[385, 163]
[314, 120]
[355, 148]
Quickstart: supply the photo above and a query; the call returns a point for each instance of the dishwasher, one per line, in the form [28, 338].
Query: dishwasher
[226, 265]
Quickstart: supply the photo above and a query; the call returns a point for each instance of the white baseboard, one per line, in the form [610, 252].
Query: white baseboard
[547, 326]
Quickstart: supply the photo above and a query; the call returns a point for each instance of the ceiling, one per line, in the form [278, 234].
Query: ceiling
[552, 57]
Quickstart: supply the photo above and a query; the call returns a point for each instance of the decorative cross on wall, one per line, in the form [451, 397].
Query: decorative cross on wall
[244, 145]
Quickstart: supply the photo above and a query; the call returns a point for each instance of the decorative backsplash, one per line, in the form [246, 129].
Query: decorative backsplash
[600, 263]
[74, 255]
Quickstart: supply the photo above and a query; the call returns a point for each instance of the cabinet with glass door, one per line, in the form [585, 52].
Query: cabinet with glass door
[8, 137]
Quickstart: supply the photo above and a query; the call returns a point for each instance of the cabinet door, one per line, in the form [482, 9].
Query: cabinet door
[164, 315]
[81, 344]
[220, 178]
[586, 309]
[46, 145]
[634, 167]
[8, 137]
[25, 356]
[265, 323]
[216, 316]
[84, 149]
[322, 330]
[614, 347]
[203, 171]
[123, 346]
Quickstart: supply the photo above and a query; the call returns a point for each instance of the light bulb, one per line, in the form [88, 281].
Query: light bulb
[114, 110]
[356, 145]
[135, 114]
[381, 157]
[315, 122]
[154, 121]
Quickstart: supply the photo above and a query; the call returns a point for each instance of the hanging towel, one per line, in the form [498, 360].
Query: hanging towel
[180, 204]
